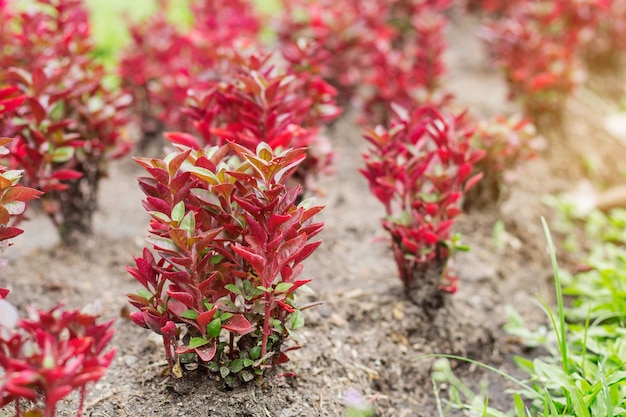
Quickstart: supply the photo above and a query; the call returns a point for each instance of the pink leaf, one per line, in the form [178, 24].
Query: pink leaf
[237, 324]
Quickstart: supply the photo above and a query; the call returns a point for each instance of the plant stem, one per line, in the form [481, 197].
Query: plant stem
[266, 323]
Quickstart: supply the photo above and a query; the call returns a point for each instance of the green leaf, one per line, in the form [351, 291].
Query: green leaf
[215, 259]
[144, 293]
[519, 406]
[247, 376]
[205, 175]
[163, 243]
[190, 314]
[188, 224]
[224, 371]
[236, 365]
[178, 212]
[255, 352]
[283, 287]
[247, 362]
[196, 342]
[225, 316]
[233, 288]
[213, 366]
[162, 217]
[62, 154]
[249, 291]
[213, 329]
[277, 325]
[297, 320]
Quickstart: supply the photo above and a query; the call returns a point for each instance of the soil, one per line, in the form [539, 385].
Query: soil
[366, 336]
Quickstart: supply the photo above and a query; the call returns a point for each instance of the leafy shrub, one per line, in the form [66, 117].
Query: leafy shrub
[49, 355]
[251, 101]
[54, 352]
[229, 242]
[407, 67]
[554, 33]
[419, 168]
[163, 61]
[69, 126]
[332, 39]
[507, 142]
[374, 52]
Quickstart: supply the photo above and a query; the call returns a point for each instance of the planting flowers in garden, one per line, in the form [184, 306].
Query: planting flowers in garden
[276, 208]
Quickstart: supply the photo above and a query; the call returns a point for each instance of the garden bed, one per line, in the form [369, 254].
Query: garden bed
[365, 336]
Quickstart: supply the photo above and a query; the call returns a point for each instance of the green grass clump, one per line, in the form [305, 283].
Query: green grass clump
[584, 375]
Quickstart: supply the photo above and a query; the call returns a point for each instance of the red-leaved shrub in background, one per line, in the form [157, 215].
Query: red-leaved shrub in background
[406, 67]
[229, 242]
[164, 61]
[507, 143]
[419, 168]
[54, 352]
[332, 38]
[555, 34]
[69, 126]
[377, 52]
[252, 101]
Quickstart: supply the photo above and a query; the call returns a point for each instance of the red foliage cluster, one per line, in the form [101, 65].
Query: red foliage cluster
[419, 169]
[253, 102]
[378, 51]
[230, 242]
[163, 62]
[69, 125]
[13, 197]
[506, 142]
[556, 34]
[50, 354]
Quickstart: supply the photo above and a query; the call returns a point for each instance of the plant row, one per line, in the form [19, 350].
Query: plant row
[231, 222]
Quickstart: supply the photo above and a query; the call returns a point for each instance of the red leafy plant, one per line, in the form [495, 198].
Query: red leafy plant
[507, 142]
[54, 352]
[332, 39]
[70, 126]
[419, 168]
[47, 356]
[229, 242]
[13, 196]
[164, 61]
[554, 33]
[374, 52]
[252, 101]
[407, 66]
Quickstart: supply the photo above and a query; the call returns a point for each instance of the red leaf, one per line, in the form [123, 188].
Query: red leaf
[138, 318]
[66, 175]
[19, 193]
[9, 233]
[256, 261]
[237, 324]
[207, 352]
[205, 318]
[183, 139]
